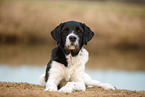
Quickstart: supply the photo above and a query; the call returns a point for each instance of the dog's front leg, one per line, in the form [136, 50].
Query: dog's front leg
[77, 83]
[55, 76]
[51, 86]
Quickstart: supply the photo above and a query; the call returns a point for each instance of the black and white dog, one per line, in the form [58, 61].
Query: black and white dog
[65, 70]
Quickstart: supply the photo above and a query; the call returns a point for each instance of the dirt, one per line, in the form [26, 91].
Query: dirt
[30, 90]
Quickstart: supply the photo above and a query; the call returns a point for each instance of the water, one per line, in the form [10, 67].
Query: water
[131, 80]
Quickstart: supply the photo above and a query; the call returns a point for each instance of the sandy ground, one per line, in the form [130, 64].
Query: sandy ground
[30, 90]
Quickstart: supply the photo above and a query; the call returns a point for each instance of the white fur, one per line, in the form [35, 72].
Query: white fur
[73, 74]
[68, 42]
[41, 79]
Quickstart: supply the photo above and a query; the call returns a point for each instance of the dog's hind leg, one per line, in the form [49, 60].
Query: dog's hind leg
[95, 83]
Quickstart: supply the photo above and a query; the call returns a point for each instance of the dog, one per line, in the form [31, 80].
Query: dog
[65, 70]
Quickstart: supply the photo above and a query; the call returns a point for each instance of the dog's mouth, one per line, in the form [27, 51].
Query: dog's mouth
[72, 47]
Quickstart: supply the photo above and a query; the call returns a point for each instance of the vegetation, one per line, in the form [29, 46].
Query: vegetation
[115, 24]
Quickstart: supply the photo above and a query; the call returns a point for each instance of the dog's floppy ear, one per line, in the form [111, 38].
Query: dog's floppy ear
[56, 33]
[88, 34]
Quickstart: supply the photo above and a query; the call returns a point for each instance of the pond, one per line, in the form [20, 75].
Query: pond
[131, 80]
[99, 58]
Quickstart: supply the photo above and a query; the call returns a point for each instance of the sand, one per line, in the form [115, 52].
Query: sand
[29, 90]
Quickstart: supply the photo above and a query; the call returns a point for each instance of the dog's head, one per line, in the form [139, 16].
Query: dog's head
[72, 35]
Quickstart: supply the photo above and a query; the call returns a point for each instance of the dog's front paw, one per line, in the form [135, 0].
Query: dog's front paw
[66, 90]
[107, 86]
[51, 88]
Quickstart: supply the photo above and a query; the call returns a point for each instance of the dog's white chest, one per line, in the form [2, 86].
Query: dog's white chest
[73, 65]
[72, 60]
[76, 63]
[81, 58]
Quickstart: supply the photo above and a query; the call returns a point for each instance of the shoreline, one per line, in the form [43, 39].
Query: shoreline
[8, 89]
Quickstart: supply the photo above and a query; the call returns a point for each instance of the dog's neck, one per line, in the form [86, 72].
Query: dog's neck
[72, 52]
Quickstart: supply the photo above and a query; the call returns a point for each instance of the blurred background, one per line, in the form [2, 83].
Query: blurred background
[119, 27]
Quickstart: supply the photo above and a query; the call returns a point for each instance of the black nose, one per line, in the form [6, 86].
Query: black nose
[72, 38]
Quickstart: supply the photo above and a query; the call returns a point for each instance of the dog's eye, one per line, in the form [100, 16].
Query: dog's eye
[78, 30]
[65, 30]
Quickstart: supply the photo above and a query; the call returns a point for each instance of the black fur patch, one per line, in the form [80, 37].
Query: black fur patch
[58, 55]
[47, 69]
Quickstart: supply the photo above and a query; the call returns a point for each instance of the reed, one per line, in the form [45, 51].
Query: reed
[114, 24]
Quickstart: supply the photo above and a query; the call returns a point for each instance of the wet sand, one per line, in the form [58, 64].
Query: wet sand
[29, 90]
